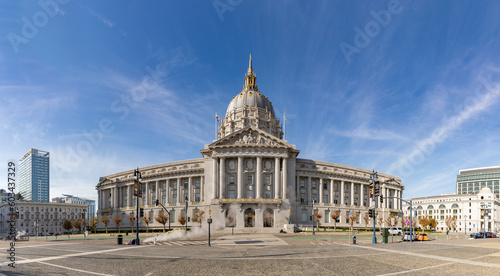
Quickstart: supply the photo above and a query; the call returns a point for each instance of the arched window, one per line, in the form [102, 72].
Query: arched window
[249, 217]
[268, 218]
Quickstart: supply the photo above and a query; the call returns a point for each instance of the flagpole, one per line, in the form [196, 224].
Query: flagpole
[284, 125]
[216, 125]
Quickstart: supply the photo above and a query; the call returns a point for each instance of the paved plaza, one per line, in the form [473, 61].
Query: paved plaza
[280, 254]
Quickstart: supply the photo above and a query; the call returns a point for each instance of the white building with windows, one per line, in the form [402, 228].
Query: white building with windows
[250, 177]
[78, 200]
[465, 208]
[48, 217]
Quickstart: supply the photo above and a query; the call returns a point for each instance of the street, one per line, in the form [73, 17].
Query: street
[291, 254]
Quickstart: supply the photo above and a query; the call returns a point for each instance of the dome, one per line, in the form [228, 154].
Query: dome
[250, 109]
[250, 98]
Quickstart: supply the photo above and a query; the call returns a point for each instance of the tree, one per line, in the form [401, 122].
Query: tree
[67, 225]
[163, 219]
[451, 222]
[380, 219]
[182, 219]
[366, 218]
[353, 218]
[117, 220]
[335, 214]
[19, 196]
[105, 221]
[199, 217]
[424, 221]
[93, 223]
[317, 216]
[433, 222]
[389, 220]
[147, 220]
[131, 219]
[77, 224]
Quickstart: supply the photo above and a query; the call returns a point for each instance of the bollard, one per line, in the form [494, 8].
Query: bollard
[154, 241]
[353, 238]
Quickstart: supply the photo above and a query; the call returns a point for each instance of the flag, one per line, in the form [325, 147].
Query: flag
[216, 117]
[284, 117]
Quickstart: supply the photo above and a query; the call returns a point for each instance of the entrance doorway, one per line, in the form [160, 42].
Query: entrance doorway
[249, 217]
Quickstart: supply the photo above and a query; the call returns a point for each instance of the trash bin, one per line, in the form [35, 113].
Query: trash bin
[120, 239]
[385, 235]
[353, 238]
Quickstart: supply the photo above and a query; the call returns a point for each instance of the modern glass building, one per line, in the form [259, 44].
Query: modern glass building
[471, 181]
[34, 176]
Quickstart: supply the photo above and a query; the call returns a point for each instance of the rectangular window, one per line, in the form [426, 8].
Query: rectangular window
[327, 216]
[304, 215]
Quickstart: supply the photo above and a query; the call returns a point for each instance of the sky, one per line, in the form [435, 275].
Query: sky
[407, 88]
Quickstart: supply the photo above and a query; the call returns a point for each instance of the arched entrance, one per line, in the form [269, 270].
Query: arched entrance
[268, 218]
[249, 217]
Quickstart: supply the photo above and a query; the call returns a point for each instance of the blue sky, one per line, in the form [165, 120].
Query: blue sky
[409, 88]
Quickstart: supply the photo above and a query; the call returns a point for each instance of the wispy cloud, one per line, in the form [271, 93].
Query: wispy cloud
[101, 18]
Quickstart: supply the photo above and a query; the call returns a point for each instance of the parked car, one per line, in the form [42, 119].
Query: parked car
[407, 235]
[479, 236]
[395, 231]
[472, 235]
[422, 236]
[491, 235]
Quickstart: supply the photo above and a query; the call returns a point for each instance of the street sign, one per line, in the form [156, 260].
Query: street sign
[350, 213]
[407, 222]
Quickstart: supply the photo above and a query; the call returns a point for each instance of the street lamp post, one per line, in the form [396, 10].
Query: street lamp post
[138, 176]
[313, 217]
[484, 220]
[186, 200]
[209, 222]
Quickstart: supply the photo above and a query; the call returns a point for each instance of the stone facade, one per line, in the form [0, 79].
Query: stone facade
[249, 178]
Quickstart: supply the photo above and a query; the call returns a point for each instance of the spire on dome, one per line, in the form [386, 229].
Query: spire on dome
[250, 79]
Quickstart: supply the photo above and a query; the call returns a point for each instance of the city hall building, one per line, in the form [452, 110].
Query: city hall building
[249, 178]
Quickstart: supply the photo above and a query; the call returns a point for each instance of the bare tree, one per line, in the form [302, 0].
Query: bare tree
[182, 219]
[117, 219]
[353, 218]
[366, 218]
[199, 217]
[450, 222]
[93, 223]
[67, 225]
[335, 214]
[105, 221]
[131, 220]
[147, 220]
[317, 216]
[163, 219]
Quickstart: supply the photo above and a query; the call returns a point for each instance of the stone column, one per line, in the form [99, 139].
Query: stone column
[259, 177]
[214, 183]
[332, 191]
[190, 186]
[342, 192]
[112, 191]
[309, 190]
[222, 184]
[277, 178]
[240, 177]
[297, 181]
[362, 194]
[178, 190]
[158, 194]
[285, 178]
[352, 193]
[320, 200]
[130, 195]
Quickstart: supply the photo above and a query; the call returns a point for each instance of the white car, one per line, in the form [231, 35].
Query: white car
[395, 231]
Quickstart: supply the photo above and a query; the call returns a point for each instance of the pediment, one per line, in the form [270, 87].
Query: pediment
[250, 137]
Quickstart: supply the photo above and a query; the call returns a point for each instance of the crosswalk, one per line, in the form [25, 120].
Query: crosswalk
[178, 243]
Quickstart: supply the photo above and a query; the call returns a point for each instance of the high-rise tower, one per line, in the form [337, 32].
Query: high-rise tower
[34, 176]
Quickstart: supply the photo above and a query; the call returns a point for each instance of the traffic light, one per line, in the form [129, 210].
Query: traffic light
[370, 213]
[141, 212]
[376, 188]
[371, 191]
[157, 202]
[381, 198]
